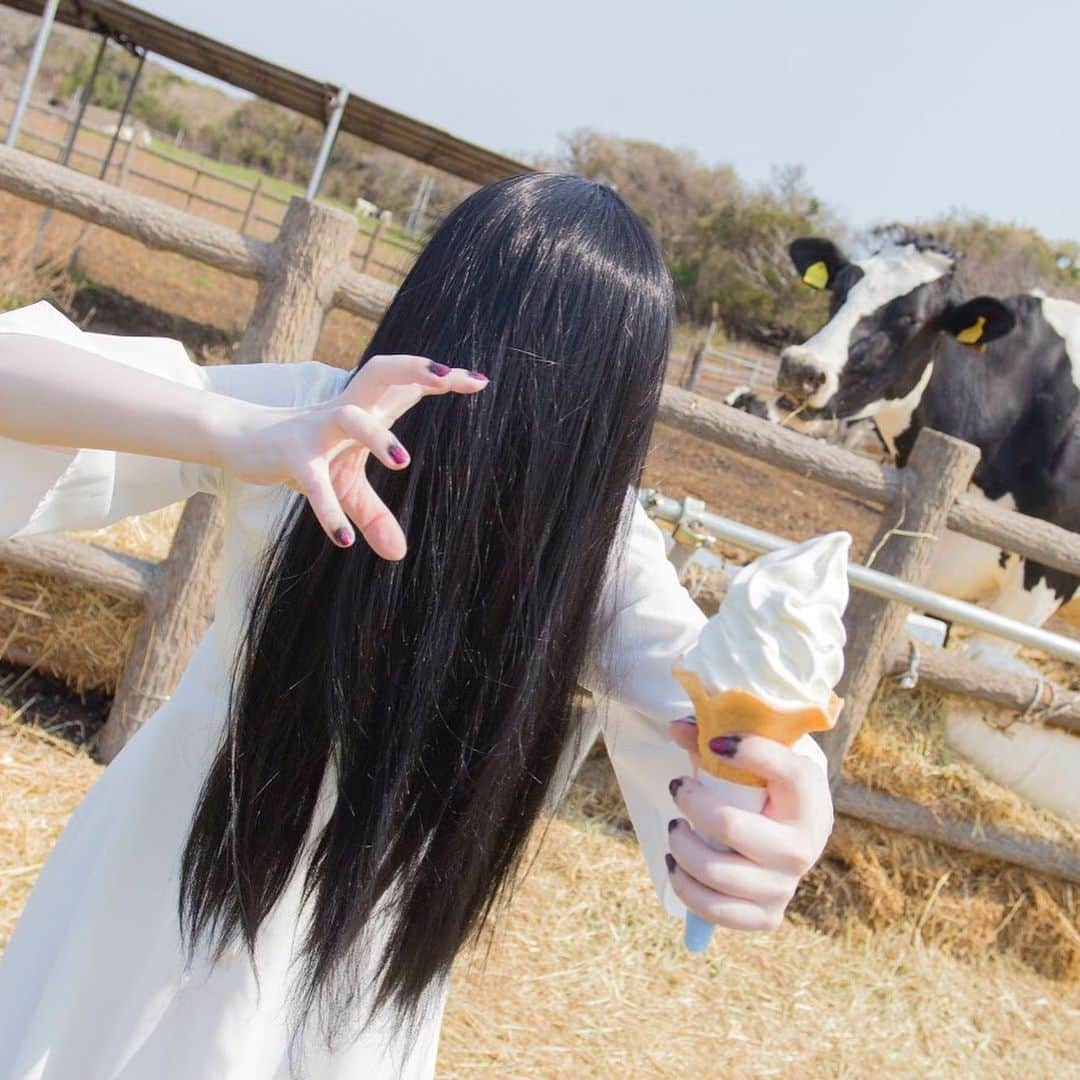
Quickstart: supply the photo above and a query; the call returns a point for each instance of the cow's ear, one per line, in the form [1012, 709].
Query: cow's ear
[977, 322]
[817, 261]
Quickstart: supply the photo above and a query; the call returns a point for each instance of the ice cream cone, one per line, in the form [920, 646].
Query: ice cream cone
[736, 711]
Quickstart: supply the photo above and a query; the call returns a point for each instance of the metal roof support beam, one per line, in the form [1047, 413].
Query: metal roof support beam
[333, 122]
[86, 93]
[48, 16]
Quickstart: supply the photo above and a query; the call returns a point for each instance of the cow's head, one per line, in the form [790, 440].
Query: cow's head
[887, 319]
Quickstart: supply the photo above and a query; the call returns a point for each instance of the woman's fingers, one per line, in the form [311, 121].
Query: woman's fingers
[726, 871]
[358, 502]
[314, 480]
[794, 781]
[381, 373]
[768, 843]
[379, 528]
[684, 733]
[720, 909]
[358, 424]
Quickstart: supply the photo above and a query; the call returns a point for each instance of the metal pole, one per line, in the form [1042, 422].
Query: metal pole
[873, 581]
[69, 142]
[103, 172]
[337, 110]
[421, 212]
[410, 221]
[123, 115]
[48, 16]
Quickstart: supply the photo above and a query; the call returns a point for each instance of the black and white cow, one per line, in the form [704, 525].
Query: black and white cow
[904, 346]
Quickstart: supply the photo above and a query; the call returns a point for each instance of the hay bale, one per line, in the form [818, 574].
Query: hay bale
[82, 635]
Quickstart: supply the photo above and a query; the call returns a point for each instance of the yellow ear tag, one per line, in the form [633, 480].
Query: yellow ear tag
[816, 275]
[972, 334]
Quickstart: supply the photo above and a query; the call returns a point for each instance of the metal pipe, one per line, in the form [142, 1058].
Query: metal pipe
[48, 16]
[69, 143]
[128, 97]
[873, 581]
[337, 110]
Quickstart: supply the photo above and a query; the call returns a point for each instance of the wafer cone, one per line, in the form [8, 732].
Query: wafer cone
[736, 711]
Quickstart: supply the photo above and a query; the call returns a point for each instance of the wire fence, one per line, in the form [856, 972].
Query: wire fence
[147, 165]
[717, 370]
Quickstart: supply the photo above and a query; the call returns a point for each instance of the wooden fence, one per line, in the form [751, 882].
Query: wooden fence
[253, 209]
[307, 270]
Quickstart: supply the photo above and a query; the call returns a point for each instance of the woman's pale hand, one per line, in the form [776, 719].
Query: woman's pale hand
[749, 887]
[321, 450]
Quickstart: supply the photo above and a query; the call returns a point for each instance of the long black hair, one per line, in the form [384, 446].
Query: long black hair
[440, 689]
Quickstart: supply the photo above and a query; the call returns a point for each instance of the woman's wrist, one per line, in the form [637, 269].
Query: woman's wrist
[229, 425]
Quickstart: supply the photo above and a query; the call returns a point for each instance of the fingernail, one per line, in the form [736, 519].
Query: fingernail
[478, 375]
[669, 860]
[344, 536]
[397, 454]
[438, 369]
[686, 720]
[725, 745]
[672, 823]
[674, 786]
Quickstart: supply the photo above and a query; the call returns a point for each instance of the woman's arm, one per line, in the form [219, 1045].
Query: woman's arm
[144, 396]
[60, 394]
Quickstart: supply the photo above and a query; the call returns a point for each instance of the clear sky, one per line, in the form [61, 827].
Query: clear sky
[897, 108]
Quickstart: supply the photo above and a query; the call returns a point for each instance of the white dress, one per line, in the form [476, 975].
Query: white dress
[92, 985]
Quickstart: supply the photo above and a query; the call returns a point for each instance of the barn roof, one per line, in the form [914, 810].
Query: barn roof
[308, 96]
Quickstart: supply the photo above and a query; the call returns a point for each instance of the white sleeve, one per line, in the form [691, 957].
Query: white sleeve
[49, 488]
[651, 622]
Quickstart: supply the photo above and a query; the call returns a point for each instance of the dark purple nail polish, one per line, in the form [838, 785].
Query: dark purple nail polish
[686, 720]
[669, 859]
[344, 536]
[478, 375]
[674, 786]
[397, 454]
[725, 745]
[438, 369]
[672, 823]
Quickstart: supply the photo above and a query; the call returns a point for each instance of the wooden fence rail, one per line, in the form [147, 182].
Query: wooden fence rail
[306, 272]
[865, 479]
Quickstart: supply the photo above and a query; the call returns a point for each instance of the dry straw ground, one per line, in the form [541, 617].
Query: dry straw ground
[586, 976]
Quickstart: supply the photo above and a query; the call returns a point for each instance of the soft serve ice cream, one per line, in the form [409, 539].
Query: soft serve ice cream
[779, 633]
[767, 662]
[774, 651]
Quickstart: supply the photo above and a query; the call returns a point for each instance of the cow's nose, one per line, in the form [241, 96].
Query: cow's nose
[798, 376]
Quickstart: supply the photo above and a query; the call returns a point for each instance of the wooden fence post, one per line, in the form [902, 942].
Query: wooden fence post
[310, 253]
[294, 296]
[690, 375]
[938, 471]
